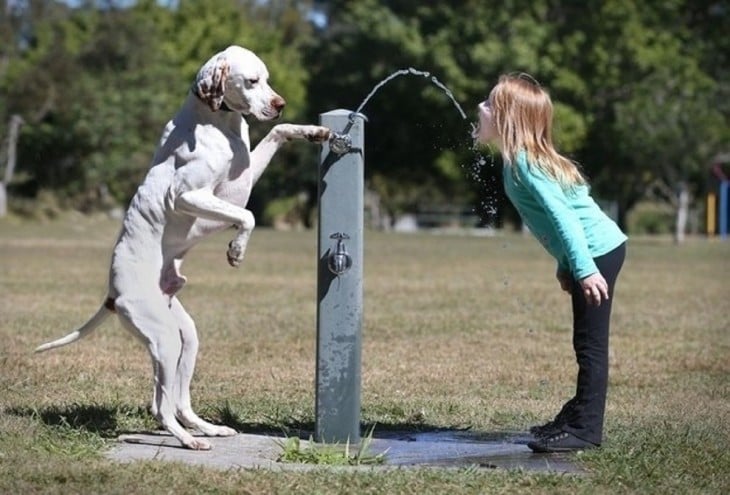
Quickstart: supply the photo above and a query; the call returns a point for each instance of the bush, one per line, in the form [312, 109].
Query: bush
[45, 206]
[651, 217]
[287, 213]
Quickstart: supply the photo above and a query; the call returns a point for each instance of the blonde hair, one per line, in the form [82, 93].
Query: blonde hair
[523, 115]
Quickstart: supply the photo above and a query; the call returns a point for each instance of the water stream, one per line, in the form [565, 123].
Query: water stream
[487, 206]
[415, 72]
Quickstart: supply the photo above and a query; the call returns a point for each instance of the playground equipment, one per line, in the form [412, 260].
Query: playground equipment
[718, 199]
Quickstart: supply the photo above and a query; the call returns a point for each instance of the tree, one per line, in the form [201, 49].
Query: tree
[15, 122]
[598, 59]
[657, 106]
[36, 98]
[673, 126]
[97, 83]
[418, 146]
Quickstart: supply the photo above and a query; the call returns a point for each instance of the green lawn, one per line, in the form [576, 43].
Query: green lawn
[458, 332]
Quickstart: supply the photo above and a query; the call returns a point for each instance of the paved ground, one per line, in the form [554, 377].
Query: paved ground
[435, 449]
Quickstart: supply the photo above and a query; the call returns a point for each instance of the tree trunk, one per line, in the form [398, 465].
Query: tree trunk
[13, 134]
[3, 200]
[682, 213]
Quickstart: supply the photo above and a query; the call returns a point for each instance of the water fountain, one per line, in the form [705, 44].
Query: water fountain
[339, 280]
[339, 318]
[340, 269]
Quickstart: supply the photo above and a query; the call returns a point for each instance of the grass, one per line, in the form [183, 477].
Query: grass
[328, 454]
[458, 332]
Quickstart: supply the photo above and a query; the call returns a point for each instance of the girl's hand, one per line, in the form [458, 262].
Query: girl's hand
[595, 289]
[565, 280]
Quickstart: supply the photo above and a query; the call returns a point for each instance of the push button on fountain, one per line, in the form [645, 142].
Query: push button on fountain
[340, 143]
[339, 261]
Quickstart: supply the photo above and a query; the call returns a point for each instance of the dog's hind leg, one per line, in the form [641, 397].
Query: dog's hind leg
[185, 369]
[148, 316]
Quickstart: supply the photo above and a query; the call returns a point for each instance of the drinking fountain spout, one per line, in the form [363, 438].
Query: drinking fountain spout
[341, 142]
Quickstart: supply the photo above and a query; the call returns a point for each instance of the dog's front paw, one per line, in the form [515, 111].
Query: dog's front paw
[316, 133]
[235, 253]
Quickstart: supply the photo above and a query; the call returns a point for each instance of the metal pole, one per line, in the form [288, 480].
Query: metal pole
[711, 211]
[339, 281]
[724, 208]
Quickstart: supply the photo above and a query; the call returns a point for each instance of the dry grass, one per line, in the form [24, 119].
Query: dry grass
[458, 332]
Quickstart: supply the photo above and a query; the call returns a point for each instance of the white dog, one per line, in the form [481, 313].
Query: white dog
[199, 183]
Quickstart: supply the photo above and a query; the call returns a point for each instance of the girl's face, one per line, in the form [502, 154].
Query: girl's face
[486, 131]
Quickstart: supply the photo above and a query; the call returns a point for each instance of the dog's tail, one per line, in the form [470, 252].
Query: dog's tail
[102, 314]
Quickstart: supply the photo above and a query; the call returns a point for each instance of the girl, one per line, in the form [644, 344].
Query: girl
[553, 200]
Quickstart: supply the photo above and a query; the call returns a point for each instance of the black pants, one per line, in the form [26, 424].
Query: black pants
[590, 342]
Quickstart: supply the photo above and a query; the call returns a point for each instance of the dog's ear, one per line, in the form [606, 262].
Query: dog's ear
[210, 84]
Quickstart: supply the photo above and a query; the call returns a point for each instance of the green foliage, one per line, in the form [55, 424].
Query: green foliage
[651, 218]
[96, 87]
[640, 88]
[642, 61]
[672, 110]
[293, 211]
[594, 57]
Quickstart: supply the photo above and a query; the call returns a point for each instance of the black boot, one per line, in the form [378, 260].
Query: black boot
[556, 424]
[560, 442]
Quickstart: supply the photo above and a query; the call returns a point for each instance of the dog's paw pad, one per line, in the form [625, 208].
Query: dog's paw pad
[234, 254]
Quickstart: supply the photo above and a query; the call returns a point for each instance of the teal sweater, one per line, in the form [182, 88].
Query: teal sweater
[569, 224]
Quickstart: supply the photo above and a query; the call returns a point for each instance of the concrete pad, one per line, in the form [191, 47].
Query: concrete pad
[240, 451]
[401, 450]
[465, 448]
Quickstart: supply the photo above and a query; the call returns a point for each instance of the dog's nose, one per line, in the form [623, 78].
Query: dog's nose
[278, 103]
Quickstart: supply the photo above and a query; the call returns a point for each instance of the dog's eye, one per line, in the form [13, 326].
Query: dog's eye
[253, 81]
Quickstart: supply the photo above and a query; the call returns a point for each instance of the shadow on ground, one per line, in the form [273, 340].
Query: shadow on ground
[100, 419]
